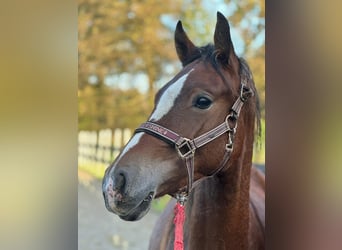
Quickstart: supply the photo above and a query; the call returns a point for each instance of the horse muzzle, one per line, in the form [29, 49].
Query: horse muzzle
[121, 200]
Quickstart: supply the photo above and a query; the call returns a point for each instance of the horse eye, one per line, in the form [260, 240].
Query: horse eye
[202, 102]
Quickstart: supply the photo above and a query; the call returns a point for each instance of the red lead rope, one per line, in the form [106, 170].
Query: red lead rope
[179, 222]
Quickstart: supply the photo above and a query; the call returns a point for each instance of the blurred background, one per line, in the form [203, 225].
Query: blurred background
[125, 54]
[39, 103]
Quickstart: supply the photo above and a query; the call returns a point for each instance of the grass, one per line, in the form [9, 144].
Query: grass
[159, 204]
[259, 146]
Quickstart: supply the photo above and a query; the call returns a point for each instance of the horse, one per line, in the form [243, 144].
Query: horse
[197, 147]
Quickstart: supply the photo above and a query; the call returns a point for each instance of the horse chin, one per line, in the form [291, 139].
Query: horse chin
[136, 214]
[140, 211]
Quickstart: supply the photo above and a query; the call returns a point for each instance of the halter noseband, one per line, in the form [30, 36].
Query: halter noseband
[186, 147]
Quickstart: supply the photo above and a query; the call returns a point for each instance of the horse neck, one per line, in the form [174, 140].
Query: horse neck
[219, 208]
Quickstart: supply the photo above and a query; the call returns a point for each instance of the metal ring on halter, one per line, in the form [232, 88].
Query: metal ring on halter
[233, 117]
[245, 92]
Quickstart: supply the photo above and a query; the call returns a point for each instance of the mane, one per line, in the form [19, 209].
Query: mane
[244, 69]
[209, 54]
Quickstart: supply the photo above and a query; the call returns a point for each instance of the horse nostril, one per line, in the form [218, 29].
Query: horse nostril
[120, 180]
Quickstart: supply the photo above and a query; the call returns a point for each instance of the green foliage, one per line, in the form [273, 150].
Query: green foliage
[159, 204]
[259, 147]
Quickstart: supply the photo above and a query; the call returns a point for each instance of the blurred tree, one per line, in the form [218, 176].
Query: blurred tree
[249, 18]
[98, 109]
[198, 21]
[124, 36]
[115, 37]
[133, 36]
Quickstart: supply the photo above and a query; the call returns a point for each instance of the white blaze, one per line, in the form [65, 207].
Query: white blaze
[134, 141]
[164, 105]
[168, 98]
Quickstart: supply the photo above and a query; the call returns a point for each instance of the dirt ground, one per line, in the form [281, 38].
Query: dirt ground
[100, 230]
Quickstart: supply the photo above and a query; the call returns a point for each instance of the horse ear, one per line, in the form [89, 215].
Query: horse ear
[186, 50]
[222, 40]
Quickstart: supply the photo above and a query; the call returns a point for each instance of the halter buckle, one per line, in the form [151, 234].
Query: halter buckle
[182, 198]
[229, 146]
[185, 148]
[232, 117]
[245, 92]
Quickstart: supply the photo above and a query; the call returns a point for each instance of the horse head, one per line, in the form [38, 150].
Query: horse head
[194, 102]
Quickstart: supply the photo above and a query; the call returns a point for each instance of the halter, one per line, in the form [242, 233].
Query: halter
[186, 147]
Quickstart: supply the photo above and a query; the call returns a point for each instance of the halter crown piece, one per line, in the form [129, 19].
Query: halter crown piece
[186, 150]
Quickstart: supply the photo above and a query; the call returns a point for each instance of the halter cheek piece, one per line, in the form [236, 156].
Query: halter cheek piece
[186, 147]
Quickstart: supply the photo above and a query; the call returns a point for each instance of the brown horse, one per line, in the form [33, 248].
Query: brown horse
[225, 208]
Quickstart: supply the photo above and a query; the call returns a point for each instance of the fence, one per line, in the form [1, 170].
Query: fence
[101, 147]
